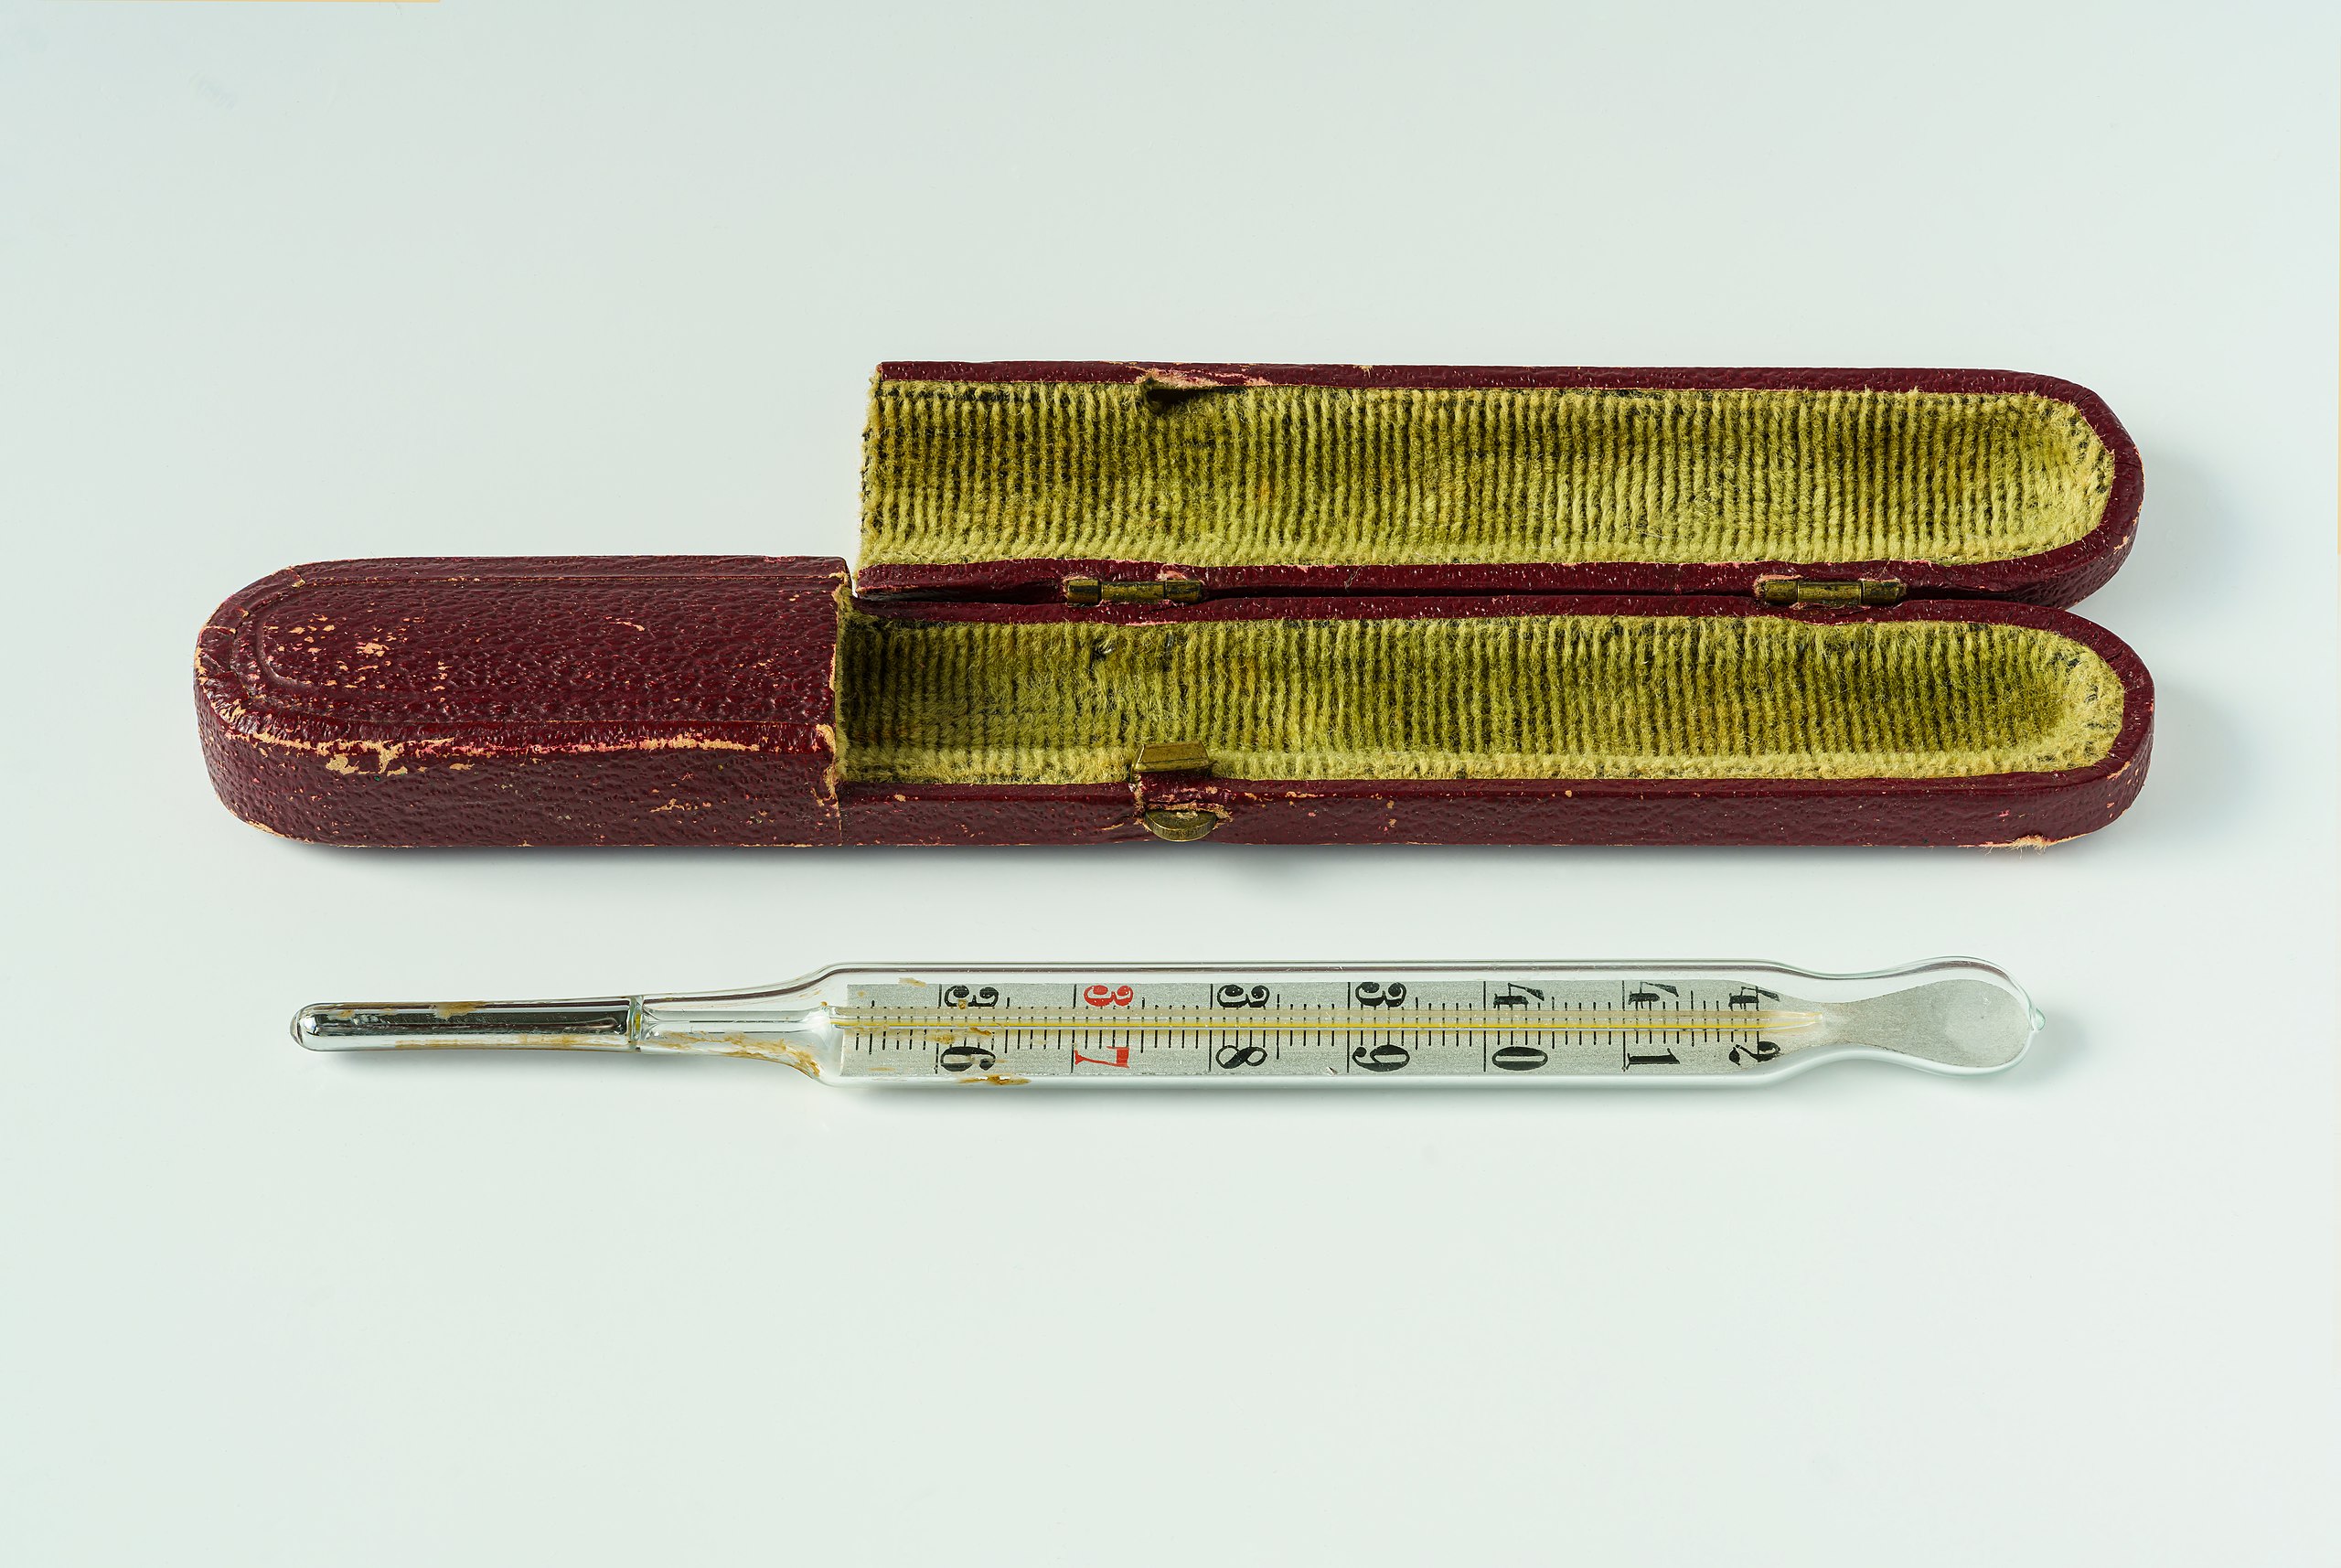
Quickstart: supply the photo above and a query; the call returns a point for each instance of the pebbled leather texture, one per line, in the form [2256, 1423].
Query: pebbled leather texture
[2062, 576]
[687, 700]
[638, 699]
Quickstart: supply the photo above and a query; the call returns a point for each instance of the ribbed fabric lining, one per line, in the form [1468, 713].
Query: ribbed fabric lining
[1528, 696]
[1314, 475]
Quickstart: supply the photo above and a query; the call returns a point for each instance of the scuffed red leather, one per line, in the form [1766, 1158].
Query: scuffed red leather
[683, 701]
[2062, 576]
[634, 699]
[2005, 809]
[667, 699]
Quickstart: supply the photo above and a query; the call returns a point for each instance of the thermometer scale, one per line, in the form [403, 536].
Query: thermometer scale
[1440, 1023]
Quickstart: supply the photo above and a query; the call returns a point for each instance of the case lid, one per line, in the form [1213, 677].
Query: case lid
[1006, 480]
[528, 699]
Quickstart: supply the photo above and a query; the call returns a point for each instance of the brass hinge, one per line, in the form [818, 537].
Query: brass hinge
[1090, 591]
[1827, 590]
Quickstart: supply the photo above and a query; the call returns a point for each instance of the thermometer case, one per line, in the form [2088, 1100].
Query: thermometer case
[1104, 602]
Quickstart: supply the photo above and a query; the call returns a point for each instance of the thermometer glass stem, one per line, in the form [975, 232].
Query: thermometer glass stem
[1493, 1023]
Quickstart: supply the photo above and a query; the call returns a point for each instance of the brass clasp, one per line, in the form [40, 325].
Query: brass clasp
[1172, 760]
[1180, 825]
[1172, 757]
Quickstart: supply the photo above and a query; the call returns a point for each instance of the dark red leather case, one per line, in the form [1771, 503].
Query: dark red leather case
[677, 700]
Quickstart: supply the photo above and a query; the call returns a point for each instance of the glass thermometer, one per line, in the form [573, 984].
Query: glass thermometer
[1395, 1023]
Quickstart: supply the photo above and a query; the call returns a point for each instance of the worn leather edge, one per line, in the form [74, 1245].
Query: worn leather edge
[318, 776]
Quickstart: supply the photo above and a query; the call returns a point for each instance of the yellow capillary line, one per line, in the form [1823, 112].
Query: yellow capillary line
[856, 1020]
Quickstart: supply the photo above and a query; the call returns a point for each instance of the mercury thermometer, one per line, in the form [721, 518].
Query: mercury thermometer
[1399, 1023]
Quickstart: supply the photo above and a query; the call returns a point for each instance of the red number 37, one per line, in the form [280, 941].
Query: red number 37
[1108, 995]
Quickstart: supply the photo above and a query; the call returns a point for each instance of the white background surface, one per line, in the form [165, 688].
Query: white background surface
[285, 282]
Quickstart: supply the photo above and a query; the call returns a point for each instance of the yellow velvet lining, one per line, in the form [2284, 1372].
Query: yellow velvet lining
[1290, 476]
[1516, 697]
